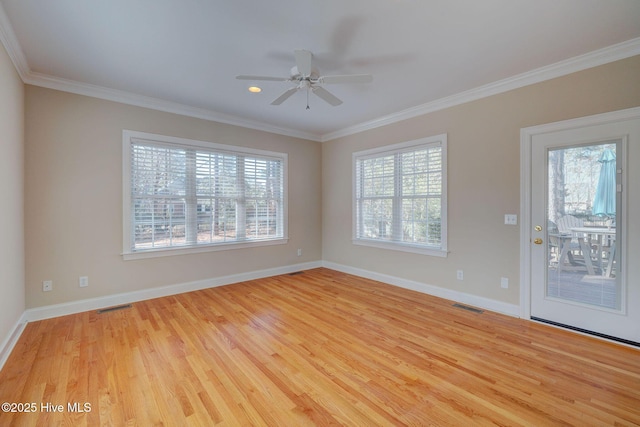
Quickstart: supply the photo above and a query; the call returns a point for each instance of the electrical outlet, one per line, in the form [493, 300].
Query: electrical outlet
[460, 275]
[83, 282]
[504, 282]
[47, 286]
[511, 219]
[299, 252]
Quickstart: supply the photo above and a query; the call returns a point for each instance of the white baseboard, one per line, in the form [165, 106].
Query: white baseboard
[11, 340]
[50, 311]
[47, 312]
[461, 297]
[56, 310]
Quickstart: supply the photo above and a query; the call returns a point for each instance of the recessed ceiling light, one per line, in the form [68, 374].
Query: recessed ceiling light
[254, 89]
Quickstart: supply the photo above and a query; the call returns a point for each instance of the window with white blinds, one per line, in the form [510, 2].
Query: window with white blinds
[184, 194]
[400, 196]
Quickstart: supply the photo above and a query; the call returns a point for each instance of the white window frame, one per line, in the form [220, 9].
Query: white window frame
[403, 147]
[129, 137]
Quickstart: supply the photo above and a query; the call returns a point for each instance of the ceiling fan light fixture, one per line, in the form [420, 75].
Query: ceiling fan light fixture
[255, 89]
[305, 76]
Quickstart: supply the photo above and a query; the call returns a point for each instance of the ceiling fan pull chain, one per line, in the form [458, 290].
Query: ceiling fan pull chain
[308, 99]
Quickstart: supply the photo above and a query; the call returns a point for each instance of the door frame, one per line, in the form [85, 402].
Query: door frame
[526, 139]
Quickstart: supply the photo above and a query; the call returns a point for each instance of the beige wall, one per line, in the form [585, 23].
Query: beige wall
[73, 205]
[483, 178]
[73, 198]
[12, 299]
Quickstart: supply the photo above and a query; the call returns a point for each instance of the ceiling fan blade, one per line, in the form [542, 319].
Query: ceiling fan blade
[350, 78]
[303, 61]
[264, 78]
[284, 96]
[326, 95]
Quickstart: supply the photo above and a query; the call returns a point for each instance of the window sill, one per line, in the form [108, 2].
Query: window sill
[164, 252]
[404, 247]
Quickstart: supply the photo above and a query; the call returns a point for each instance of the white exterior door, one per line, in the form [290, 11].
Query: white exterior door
[581, 258]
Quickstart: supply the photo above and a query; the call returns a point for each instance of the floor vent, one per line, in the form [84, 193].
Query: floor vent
[466, 307]
[117, 307]
[295, 273]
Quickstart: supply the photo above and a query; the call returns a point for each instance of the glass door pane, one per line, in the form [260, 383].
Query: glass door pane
[582, 204]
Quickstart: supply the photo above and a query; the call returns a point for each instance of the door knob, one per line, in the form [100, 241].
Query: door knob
[538, 241]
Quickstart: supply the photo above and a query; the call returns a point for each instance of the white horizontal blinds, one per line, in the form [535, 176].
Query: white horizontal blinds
[158, 196]
[376, 178]
[421, 195]
[399, 196]
[263, 198]
[189, 196]
[216, 191]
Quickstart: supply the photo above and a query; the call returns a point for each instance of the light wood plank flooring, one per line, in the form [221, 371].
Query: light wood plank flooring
[317, 348]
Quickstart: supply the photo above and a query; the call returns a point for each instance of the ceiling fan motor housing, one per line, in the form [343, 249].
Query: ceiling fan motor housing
[297, 76]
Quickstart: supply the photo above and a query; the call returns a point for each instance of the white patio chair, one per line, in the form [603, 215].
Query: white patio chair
[568, 244]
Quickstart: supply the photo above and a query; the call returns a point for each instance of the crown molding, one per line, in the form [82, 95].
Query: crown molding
[10, 43]
[43, 80]
[598, 57]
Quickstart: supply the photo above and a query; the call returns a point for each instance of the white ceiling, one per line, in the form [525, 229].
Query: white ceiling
[183, 55]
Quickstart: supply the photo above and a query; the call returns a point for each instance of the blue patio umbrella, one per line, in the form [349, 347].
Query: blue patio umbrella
[604, 202]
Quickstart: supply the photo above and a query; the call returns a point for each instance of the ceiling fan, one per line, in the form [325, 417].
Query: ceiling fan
[307, 77]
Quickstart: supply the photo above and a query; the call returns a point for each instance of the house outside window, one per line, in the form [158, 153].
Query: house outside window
[400, 196]
[184, 196]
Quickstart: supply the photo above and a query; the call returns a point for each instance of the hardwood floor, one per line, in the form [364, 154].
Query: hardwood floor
[316, 348]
